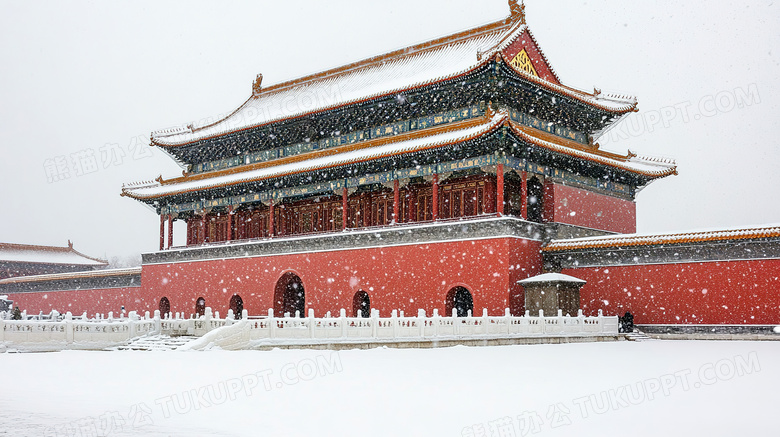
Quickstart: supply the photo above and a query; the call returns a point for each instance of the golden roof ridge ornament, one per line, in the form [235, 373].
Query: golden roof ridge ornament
[257, 86]
[517, 11]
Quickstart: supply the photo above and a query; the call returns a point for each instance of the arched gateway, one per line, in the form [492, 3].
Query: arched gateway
[165, 307]
[200, 307]
[361, 304]
[460, 299]
[237, 305]
[289, 296]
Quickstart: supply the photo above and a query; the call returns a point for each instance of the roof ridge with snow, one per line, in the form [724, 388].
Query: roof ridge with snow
[29, 253]
[73, 275]
[629, 240]
[413, 67]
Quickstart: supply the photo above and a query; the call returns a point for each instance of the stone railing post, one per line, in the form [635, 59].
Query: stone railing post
[271, 323]
[157, 322]
[343, 322]
[374, 322]
[455, 322]
[421, 321]
[310, 320]
[131, 324]
[436, 322]
[394, 322]
[69, 334]
[561, 322]
[601, 322]
[485, 321]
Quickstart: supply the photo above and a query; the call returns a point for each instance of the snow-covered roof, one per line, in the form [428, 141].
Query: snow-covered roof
[359, 152]
[402, 70]
[72, 275]
[551, 277]
[643, 165]
[23, 253]
[742, 233]
[392, 146]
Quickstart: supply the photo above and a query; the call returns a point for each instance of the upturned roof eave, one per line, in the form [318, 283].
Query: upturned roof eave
[488, 128]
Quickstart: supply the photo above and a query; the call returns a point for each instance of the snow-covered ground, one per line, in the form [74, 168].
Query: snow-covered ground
[652, 388]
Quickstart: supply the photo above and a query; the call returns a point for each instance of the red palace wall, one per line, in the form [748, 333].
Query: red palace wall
[724, 292]
[78, 301]
[406, 278]
[584, 208]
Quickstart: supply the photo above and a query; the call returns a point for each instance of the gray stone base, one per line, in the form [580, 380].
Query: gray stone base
[711, 332]
[430, 344]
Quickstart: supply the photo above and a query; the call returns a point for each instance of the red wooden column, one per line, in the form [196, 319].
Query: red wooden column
[344, 209]
[204, 227]
[548, 204]
[170, 231]
[230, 223]
[435, 199]
[396, 201]
[500, 189]
[162, 231]
[271, 219]
[524, 196]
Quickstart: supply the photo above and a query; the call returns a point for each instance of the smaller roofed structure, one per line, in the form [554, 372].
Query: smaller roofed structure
[552, 292]
[27, 260]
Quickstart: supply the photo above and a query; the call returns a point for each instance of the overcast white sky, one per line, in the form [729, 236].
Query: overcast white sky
[81, 77]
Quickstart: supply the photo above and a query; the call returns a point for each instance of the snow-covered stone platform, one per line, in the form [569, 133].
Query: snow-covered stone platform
[398, 330]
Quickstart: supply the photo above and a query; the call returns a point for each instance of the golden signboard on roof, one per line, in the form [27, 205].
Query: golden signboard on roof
[523, 62]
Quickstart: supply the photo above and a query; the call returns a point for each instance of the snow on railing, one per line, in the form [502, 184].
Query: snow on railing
[398, 326]
[68, 329]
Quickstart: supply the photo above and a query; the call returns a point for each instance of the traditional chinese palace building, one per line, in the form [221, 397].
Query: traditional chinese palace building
[436, 177]
[29, 260]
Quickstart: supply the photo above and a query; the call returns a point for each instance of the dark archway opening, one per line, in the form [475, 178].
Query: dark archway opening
[200, 307]
[460, 299]
[361, 304]
[535, 200]
[237, 305]
[289, 296]
[165, 307]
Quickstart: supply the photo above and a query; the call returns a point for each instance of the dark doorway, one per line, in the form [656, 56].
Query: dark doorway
[361, 304]
[165, 307]
[200, 307]
[459, 299]
[535, 200]
[289, 296]
[237, 305]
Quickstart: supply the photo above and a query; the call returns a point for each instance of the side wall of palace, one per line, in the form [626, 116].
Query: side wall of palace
[578, 207]
[91, 301]
[406, 277]
[712, 292]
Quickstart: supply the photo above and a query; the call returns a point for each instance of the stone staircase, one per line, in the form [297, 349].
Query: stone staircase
[155, 342]
[637, 335]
